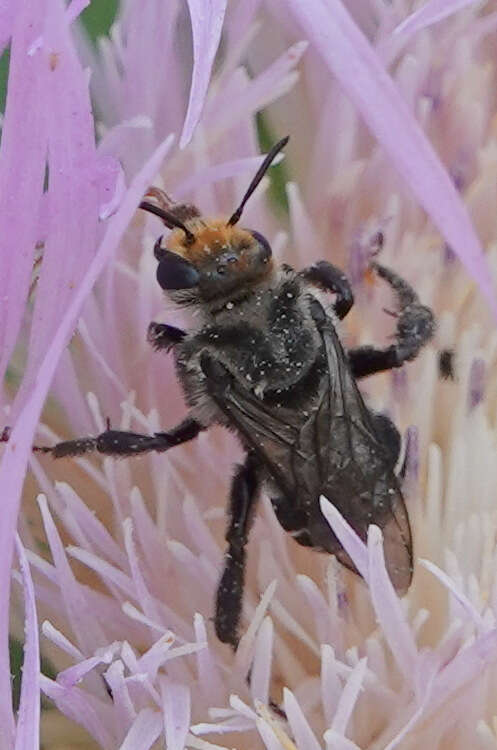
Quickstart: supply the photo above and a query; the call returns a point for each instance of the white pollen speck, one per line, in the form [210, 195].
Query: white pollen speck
[229, 305]
[289, 295]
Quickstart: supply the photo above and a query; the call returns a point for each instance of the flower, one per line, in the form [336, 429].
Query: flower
[126, 606]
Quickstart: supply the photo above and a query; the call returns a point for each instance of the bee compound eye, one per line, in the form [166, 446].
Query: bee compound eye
[158, 251]
[174, 272]
[265, 252]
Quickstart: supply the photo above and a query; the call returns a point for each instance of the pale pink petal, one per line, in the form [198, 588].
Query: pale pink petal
[331, 685]
[14, 460]
[87, 629]
[7, 17]
[28, 719]
[358, 69]
[428, 14]
[347, 537]
[176, 713]
[142, 594]
[261, 665]
[72, 675]
[269, 737]
[75, 8]
[463, 669]
[83, 708]
[145, 730]
[336, 741]
[60, 640]
[348, 698]
[72, 187]
[22, 167]
[207, 667]
[207, 18]
[152, 660]
[304, 736]
[463, 600]
[123, 705]
[388, 609]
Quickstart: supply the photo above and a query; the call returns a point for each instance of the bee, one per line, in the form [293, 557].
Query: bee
[266, 361]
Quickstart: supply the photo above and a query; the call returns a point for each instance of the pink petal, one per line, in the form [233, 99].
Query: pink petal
[207, 18]
[464, 669]
[261, 665]
[28, 720]
[73, 195]
[22, 168]
[305, 738]
[388, 609]
[176, 712]
[463, 600]
[83, 708]
[83, 623]
[428, 14]
[347, 537]
[349, 697]
[268, 736]
[335, 741]
[14, 461]
[72, 675]
[364, 79]
[7, 18]
[145, 730]
[75, 8]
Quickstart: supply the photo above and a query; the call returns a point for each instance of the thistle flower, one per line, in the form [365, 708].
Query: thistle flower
[399, 137]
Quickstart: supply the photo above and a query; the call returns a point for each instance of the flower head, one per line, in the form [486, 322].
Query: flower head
[392, 132]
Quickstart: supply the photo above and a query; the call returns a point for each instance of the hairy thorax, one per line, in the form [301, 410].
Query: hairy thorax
[266, 340]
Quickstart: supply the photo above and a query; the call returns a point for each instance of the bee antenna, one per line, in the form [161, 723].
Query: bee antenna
[257, 178]
[169, 219]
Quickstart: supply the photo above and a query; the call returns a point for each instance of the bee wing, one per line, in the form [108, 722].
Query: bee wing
[373, 493]
[331, 450]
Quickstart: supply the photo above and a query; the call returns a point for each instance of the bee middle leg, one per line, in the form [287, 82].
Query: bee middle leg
[245, 490]
[415, 327]
[332, 279]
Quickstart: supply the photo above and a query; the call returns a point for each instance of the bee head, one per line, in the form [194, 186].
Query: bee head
[207, 259]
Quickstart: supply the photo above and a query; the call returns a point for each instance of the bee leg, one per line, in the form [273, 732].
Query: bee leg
[415, 327]
[332, 279]
[243, 498]
[163, 336]
[119, 443]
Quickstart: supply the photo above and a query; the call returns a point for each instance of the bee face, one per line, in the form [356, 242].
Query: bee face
[204, 261]
[220, 260]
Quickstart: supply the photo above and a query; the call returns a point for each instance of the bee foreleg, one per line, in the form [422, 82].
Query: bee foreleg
[243, 497]
[163, 336]
[332, 279]
[120, 443]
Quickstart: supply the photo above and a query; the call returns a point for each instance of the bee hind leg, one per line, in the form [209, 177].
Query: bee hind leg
[121, 443]
[243, 499]
[415, 327]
